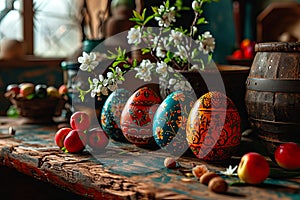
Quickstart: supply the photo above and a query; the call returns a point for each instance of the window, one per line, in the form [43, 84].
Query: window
[56, 25]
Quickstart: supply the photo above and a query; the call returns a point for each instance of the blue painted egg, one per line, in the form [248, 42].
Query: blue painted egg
[169, 122]
[111, 114]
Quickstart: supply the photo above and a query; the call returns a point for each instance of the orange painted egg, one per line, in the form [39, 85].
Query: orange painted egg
[213, 127]
[137, 117]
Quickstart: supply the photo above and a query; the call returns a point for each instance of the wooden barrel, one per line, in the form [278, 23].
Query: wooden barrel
[273, 92]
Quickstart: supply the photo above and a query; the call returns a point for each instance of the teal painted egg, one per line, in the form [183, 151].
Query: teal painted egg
[111, 114]
[169, 122]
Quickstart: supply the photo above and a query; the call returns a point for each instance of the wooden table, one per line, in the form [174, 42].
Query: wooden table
[123, 171]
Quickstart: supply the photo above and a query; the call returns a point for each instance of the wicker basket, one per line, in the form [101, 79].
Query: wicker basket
[39, 108]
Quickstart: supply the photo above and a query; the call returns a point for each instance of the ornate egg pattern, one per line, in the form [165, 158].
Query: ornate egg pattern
[213, 127]
[137, 117]
[111, 114]
[169, 123]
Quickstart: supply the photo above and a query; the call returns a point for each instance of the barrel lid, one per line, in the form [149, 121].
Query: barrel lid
[278, 46]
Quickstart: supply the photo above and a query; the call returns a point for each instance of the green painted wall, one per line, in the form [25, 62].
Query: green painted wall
[221, 25]
[220, 16]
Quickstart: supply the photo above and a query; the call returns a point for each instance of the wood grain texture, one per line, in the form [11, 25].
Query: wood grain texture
[122, 171]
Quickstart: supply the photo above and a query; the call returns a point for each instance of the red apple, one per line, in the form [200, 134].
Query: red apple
[248, 52]
[287, 155]
[13, 88]
[237, 54]
[61, 135]
[253, 168]
[75, 141]
[62, 90]
[26, 89]
[97, 139]
[245, 43]
[80, 120]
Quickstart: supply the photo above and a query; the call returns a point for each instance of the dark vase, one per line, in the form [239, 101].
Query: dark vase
[90, 45]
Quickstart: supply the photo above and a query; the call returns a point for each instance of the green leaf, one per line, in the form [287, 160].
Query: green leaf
[144, 13]
[116, 63]
[126, 66]
[134, 63]
[90, 80]
[148, 19]
[135, 20]
[167, 4]
[154, 9]
[137, 15]
[145, 50]
[170, 55]
[201, 21]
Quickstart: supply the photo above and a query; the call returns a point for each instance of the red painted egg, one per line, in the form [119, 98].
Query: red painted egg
[213, 127]
[137, 117]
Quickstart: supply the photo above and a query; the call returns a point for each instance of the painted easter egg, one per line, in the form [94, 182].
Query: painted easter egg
[111, 114]
[213, 128]
[169, 123]
[137, 117]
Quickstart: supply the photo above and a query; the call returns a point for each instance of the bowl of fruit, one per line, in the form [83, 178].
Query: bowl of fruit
[243, 55]
[37, 102]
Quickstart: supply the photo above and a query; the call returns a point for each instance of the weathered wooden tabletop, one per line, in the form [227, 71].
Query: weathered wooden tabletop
[122, 171]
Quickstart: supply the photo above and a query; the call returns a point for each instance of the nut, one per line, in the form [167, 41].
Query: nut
[199, 170]
[170, 163]
[205, 178]
[218, 185]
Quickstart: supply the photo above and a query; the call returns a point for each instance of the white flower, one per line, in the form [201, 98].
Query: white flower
[134, 36]
[177, 85]
[113, 87]
[103, 90]
[207, 44]
[119, 76]
[195, 68]
[172, 81]
[229, 171]
[160, 52]
[176, 37]
[94, 87]
[144, 70]
[167, 16]
[195, 29]
[182, 52]
[195, 4]
[88, 61]
[162, 69]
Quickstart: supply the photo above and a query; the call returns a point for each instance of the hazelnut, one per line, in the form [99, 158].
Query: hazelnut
[205, 178]
[218, 185]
